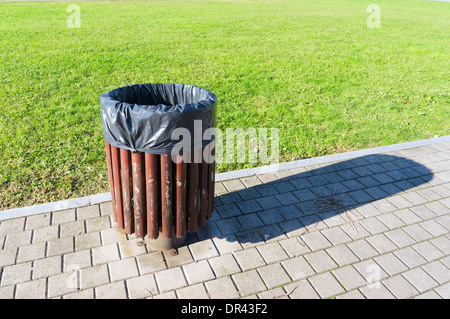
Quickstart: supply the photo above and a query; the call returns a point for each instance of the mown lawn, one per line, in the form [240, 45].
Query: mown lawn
[313, 69]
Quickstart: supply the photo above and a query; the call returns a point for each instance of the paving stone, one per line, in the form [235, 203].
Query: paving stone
[371, 271]
[373, 225]
[224, 265]
[276, 293]
[227, 244]
[410, 257]
[132, 247]
[376, 292]
[31, 252]
[203, 249]
[417, 232]
[248, 282]
[336, 235]
[63, 284]
[115, 290]
[274, 275]
[72, 229]
[428, 251]
[88, 212]
[35, 289]
[442, 243]
[112, 235]
[98, 223]
[438, 208]
[420, 279]
[301, 290]
[272, 252]
[249, 206]
[390, 220]
[249, 259]
[78, 259]
[123, 269]
[151, 262]
[8, 256]
[105, 254]
[407, 216]
[47, 267]
[229, 226]
[438, 271]
[362, 249]
[316, 241]
[63, 216]
[10, 226]
[197, 291]
[270, 216]
[391, 264]
[37, 221]
[381, 243]
[170, 279]
[249, 221]
[326, 285]
[349, 277]
[400, 287]
[320, 261]
[342, 255]
[16, 274]
[183, 257]
[60, 246]
[433, 227]
[142, 286]
[198, 272]
[354, 294]
[18, 239]
[229, 210]
[7, 292]
[298, 268]
[443, 291]
[293, 247]
[222, 288]
[400, 238]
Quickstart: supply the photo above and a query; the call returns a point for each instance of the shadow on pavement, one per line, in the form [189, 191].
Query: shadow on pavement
[302, 201]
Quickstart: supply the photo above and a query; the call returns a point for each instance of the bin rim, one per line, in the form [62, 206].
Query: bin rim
[208, 100]
[147, 127]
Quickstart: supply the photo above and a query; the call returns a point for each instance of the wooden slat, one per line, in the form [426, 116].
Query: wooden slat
[152, 192]
[125, 175]
[117, 188]
[211, 176]
[193, 195]
[139, 194]
[166, 195]
[111, 180]
[181, 197]
[203, 192]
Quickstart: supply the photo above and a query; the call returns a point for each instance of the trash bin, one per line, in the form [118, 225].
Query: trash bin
[160, 191]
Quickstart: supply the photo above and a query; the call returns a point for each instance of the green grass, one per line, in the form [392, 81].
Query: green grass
[313, 69]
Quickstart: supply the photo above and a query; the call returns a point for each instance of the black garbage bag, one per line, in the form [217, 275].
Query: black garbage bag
[142, 117]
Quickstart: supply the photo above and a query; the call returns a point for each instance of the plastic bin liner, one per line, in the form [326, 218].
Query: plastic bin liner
[142, 117]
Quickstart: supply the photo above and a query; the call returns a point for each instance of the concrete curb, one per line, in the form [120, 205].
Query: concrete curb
[106, 197]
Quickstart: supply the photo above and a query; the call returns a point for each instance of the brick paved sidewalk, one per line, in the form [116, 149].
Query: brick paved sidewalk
[375, 226]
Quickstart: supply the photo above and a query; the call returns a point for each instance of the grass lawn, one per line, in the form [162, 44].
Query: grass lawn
[313, 69]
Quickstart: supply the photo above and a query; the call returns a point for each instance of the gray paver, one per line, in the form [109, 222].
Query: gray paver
[266, 239]
[248, 282]
[326, 285]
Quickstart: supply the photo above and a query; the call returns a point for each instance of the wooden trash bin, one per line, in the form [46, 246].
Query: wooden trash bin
[157, 198]
[160, 191]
